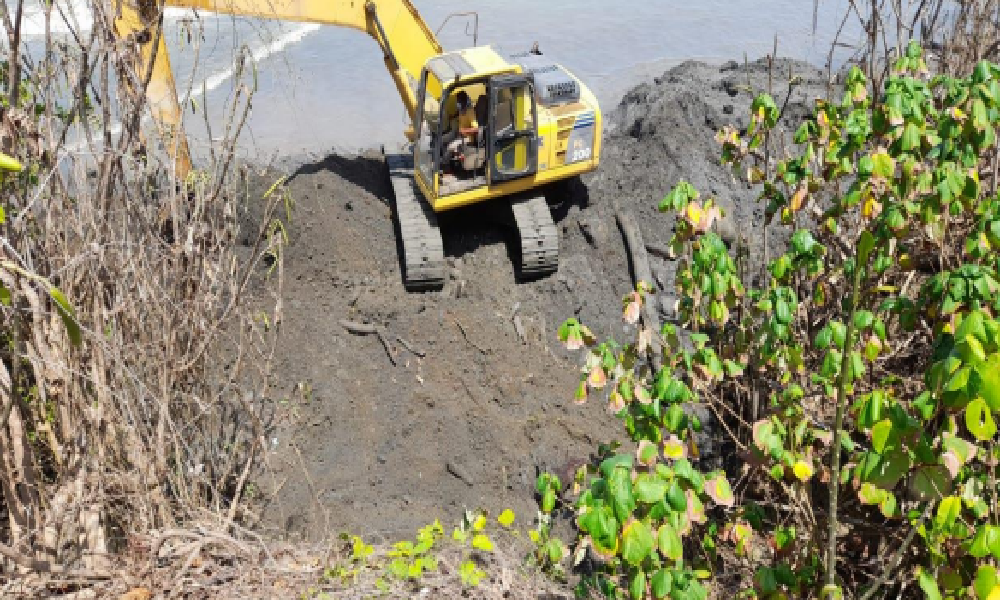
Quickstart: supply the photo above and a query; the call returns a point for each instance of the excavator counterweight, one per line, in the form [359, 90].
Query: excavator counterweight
[484, 124]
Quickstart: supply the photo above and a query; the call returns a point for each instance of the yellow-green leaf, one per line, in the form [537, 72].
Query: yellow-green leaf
[506, 518]
[718, 489]
[979, 420]
[669, 542]
[9, 163]
[948, 512]
[481, 542]
[65, 310]
[803, 471]
[479, 523]
[880, 435]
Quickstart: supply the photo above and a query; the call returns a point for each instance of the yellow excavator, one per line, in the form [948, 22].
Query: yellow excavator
[484, 125]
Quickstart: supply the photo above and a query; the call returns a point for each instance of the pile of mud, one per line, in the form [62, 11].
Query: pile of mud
[380, 449]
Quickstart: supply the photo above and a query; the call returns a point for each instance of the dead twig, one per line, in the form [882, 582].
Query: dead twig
[660, 251]
[408, 346]
[371, 329]
[466, 336]
[43, 566]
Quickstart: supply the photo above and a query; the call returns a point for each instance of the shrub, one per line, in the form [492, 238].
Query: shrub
[874, 342]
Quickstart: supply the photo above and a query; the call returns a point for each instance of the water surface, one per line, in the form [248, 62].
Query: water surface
[323, 89]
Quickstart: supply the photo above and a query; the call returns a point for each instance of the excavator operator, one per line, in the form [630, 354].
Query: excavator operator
[463, 127]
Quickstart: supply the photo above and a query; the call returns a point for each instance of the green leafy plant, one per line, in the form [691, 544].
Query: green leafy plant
[873, 343]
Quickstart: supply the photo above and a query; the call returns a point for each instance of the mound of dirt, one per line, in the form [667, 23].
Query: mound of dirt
[380, 449]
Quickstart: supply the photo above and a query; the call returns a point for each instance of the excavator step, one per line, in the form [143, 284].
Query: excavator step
[423, 250]
[539, 236]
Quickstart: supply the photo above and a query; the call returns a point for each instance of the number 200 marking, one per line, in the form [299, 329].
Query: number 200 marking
[581, 154]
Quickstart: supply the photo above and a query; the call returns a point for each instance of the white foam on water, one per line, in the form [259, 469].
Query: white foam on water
[216, 80]
[78, 17]
[260, 54]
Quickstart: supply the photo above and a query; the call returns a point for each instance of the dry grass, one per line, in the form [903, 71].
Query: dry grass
[129, 430]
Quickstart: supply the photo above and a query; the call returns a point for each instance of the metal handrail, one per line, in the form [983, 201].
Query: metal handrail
[475, 19]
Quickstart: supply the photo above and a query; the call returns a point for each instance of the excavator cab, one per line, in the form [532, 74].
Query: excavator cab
[503, 145]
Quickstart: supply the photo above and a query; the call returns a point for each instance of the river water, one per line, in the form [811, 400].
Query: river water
[324, 89]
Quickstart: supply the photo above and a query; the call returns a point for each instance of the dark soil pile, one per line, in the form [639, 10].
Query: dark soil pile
[378, 449]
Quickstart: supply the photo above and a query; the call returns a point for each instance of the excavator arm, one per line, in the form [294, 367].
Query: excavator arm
[406, 41]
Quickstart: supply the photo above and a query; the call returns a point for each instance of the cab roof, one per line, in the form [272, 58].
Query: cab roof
[471, 63]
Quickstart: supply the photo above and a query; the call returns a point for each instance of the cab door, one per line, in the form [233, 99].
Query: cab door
[513, 128]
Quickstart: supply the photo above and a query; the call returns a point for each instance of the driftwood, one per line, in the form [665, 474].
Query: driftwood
[467, 339]
[659, 251]
[639, 261]
[370, 329]
[409, 347]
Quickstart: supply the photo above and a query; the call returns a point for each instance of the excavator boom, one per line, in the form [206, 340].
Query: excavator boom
[406, 41]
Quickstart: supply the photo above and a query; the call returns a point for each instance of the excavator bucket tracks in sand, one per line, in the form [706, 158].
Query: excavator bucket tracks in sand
[423, 249]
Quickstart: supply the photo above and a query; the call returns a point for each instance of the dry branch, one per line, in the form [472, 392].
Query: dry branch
[371, 329]
[641, 272]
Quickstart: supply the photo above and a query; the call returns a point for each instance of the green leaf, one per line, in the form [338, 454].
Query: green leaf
[669, 542]
[928, 585]
[782, 312]
[548, 500]
[661, 583]
[675, 497]
[856, 366]
[622, 499]
[863, 319]
[649, 489]
[673, 419]
[865, 246]
[609, 465]
[947, 512]
[888, 505]
[911, 138]
[985, 539]
[884, 470]
[986, 581]
[880, 435]
[766, 580]
[824, 338]
[930, 482]
[600, 523]
[979, 420]
[883, 165]
[555, 550]
[481, 542]
[870, 494]
[765, 110]
[984, 381]
[637, 542]
[65, 311]
[637, 585]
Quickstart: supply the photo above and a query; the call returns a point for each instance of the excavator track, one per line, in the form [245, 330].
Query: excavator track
[538, 234]
[423, 250]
